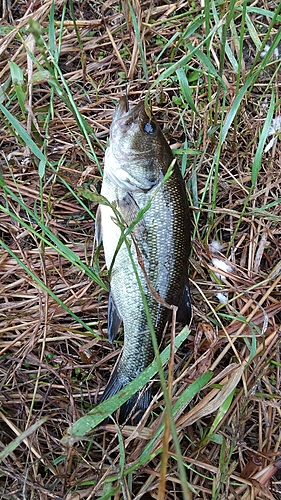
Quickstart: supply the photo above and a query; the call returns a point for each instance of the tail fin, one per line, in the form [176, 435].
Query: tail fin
[133, 410]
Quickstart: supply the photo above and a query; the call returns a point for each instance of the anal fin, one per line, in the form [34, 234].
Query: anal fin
[114, 319]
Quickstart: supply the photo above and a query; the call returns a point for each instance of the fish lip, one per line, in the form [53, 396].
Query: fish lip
[123, 110]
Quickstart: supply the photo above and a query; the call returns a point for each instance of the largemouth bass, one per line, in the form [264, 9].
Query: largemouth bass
[136, 162]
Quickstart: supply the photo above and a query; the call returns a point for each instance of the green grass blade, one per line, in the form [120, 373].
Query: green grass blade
[44, 287]
[186, 92]
[87, 423]
[224, 43]
[53, 241]
[139, 41]
[264, 134]
[219, 416]
[52, 36]
[253, 32]
[263, 12]
[190, 392]
[20, 130]
[234, 108]
[22, 437]
[19, 85]
[186, 58]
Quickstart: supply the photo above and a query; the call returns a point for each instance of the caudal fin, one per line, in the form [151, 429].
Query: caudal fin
[132, 411]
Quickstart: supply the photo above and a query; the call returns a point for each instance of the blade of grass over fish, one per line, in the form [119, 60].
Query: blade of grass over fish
[46, 289]
[139, 41]
[264, 134]
[21, 438]
[87, 423]
[92, 196]
[125, 231]
[168, 407]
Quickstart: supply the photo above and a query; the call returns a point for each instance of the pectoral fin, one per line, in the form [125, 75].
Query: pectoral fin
[114, 320]
[184, 306]
[129, 210]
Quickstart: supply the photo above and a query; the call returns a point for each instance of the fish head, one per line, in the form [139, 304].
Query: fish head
[139, 154]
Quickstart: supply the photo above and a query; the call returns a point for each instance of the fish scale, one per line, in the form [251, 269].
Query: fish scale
[136, 162]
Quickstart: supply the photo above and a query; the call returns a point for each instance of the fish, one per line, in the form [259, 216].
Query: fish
[136, 161]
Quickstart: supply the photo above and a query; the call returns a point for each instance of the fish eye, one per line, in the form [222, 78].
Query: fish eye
[149, 128]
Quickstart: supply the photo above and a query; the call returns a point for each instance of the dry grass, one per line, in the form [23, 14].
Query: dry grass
[54, 355]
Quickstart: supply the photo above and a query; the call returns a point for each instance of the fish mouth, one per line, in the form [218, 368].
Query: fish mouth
[123, 110]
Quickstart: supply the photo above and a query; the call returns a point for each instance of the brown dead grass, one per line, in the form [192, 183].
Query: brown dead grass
[51, 366]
